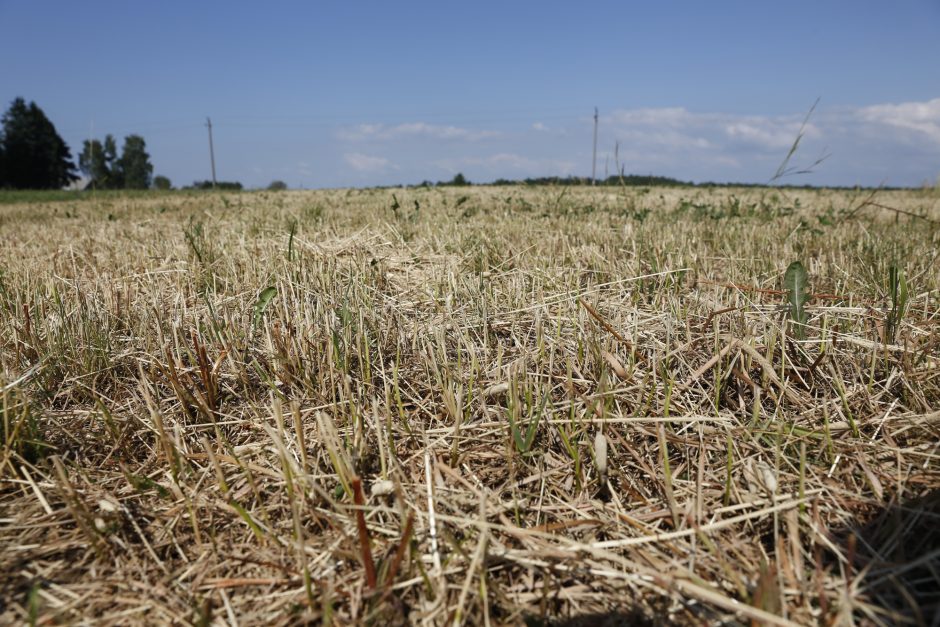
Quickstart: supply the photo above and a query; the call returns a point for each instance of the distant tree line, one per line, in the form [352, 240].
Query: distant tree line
[224, 185]
[617, 179]
[34, 156]
[626, 179]
[630, 180]
[459, 180]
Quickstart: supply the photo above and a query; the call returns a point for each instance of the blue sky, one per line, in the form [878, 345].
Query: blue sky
[330, 94]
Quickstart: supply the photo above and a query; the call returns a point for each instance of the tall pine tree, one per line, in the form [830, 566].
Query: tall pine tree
[32, 155]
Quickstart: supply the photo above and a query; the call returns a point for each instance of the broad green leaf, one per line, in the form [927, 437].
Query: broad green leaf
[902, 294]
[898, 289]
[796, 282]
[264, 299]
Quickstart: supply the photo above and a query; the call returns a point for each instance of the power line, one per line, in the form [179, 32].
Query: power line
[328, 119]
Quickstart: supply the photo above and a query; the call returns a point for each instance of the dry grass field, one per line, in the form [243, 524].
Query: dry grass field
[488, 406]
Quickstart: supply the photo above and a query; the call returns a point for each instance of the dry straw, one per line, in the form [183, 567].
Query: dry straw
[507, 405]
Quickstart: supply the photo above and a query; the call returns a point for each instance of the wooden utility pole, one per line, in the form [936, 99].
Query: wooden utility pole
[211, 151]
[594, 158]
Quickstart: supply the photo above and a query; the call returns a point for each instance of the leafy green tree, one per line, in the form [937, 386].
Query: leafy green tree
[134, 164]
[32, 155]
[99, 162]
[275, 186]
[162, 183]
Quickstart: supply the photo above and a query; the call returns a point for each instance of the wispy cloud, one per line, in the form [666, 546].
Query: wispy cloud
[895, 143]
[678, 128]
[381, 132]
[774, 134]
[874, 144]
[921, 117]
[508, 164]
[708, 145]
[366, 163]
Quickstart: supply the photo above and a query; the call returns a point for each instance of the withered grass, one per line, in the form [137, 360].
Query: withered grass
[469, 405]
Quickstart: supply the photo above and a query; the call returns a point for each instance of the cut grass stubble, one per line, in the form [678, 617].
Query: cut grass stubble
[546, 406]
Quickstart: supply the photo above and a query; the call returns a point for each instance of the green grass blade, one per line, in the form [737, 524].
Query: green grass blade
[897, 285]
[243, 513]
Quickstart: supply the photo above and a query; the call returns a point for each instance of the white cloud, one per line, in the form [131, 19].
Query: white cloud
[507, 164]
[678, 128]
[881, 143]
[896, 143]
[510, 160]
[773, 134]
[366, 163]
[655, 130]
[670, 116]
[381, 132]
[921, 117]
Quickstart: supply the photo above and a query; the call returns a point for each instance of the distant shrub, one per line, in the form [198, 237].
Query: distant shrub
[226, 185]
[459, 180]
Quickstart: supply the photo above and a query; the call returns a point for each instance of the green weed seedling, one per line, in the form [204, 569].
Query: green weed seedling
[20, 430]
[796, 282]
[196, 239]
[264, 299]
[897, 290]
[523, 442]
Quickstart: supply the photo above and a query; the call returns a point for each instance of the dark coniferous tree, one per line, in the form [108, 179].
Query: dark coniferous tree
[32, 155]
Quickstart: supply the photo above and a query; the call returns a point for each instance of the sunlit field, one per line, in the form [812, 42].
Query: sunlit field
[481, 405]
